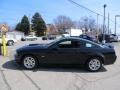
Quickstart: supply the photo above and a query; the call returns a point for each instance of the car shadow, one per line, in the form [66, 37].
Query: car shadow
[50, 68]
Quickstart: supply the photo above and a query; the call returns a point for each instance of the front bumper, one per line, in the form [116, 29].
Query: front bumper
[17, 59]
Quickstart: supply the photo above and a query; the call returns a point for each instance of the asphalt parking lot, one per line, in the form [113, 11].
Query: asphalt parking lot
[13, 77]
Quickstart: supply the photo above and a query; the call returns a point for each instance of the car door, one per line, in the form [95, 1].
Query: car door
[88, 50]
[64, 52]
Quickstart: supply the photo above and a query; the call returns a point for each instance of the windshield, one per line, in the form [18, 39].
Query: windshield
[51, 43]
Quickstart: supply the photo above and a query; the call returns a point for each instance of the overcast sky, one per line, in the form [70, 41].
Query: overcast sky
[11, 11]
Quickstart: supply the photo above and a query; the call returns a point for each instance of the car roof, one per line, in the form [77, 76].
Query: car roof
[73, 38]
[77, 38]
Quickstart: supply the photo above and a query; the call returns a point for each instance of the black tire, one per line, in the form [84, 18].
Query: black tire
[10, 42]
[32, 60]
[44, 38]
[90, 64]
[31, 39]
[22, 39]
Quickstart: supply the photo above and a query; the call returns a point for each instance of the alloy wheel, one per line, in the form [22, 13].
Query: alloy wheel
[94, 64]
[29, 62]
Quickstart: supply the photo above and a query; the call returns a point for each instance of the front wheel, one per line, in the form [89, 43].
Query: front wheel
[29, 62]
[94, 64]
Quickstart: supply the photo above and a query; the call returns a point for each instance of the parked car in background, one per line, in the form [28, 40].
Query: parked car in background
[9, 41]
[29, 37]
[118, 37]
[49, 37]
[113, 38]
[107, 38]
[66, 51]
[88, 37]
[66, 34]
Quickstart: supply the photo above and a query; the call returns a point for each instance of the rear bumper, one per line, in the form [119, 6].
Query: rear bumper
[110, 59]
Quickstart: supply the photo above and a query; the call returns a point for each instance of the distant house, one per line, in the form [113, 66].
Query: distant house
[3, 28]
[51, 29]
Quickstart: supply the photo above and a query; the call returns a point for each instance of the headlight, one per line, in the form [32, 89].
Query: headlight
[15, 53]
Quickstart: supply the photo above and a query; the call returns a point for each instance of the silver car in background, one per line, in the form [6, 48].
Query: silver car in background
[118, 37]
[113, 38]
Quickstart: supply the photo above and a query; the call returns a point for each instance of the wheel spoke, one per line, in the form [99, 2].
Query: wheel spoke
[94, 64]
[29, 62]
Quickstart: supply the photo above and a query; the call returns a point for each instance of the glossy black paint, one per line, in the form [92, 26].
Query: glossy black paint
[52, 54]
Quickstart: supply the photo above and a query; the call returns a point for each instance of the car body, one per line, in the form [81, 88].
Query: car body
[70, 50]
[88, 37]
[9, 41]
[29, 37]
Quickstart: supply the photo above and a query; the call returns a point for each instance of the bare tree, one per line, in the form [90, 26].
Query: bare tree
[62, 23]
[86, 23]
[79, 24]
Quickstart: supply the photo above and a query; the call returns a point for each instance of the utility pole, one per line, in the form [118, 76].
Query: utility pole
[97, 25]
[116, 23]
[108, 23]
[104, 24]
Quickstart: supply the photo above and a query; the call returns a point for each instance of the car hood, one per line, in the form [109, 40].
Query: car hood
[32, 46]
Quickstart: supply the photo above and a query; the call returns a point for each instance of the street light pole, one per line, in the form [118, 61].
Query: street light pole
[116, 23]
[104, 24]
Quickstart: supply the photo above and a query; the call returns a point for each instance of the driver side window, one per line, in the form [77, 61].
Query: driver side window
[69, 44]
[64, 44]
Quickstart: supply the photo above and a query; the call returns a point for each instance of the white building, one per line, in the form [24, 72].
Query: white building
[15, 34]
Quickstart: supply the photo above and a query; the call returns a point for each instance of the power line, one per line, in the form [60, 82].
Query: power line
[79, 5]
[75, 3]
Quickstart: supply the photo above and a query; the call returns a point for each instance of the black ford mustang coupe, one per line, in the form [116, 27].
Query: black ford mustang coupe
[68, 50]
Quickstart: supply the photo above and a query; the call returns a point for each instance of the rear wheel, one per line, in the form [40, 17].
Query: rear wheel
[94, 64]
[29, 62]
[44, 38]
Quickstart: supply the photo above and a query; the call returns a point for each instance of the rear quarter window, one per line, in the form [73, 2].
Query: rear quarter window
[90, 45]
